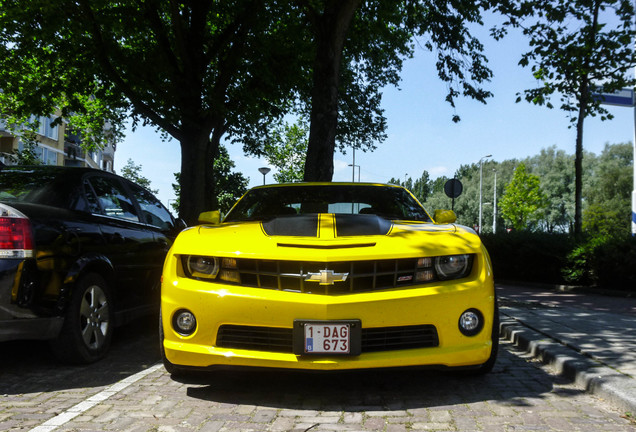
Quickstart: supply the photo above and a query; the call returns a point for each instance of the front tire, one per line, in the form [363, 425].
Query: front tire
[170, 367]
[88, 324]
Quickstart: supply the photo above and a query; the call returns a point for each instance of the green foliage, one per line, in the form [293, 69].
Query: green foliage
[529, 256]
[603, 261]
[523, 201]
[574, 43]
[421, 187]
[229, 186]
[608, 191]
[555, 169]
[28, 155]
[286, 150]
[576, 46]
[132, 172]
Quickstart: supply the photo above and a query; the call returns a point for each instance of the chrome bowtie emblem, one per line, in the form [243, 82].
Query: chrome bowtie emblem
[326, 277]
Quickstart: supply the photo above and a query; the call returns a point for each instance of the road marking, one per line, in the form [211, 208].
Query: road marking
[89, 403]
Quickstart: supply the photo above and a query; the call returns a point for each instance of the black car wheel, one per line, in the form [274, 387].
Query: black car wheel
[487, 367]
[490, 363]
[88, 324]
[170, 367]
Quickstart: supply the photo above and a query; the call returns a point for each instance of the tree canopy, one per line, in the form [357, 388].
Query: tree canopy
[202, 70]
[286, 151]
[607, 180]
[578, 47]
[132, 172]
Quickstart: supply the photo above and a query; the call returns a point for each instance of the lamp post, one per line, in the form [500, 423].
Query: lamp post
[494, 206]
[353, 178]
[264, 171]
[480, 183]
[353, 165]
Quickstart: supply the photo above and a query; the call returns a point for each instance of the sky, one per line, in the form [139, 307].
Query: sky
[421, 134]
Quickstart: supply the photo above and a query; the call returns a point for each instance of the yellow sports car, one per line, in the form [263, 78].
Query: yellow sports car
[328, 276]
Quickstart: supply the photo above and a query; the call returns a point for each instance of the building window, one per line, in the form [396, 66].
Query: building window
[45, 128]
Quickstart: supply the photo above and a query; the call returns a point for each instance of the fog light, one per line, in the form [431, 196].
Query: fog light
[184, 322]
[471, 322]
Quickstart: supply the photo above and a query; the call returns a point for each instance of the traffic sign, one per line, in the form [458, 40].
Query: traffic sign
[623, 97]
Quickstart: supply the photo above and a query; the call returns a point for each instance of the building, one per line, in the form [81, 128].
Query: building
[57, 145]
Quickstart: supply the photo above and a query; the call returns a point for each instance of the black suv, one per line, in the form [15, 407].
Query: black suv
[81, 251]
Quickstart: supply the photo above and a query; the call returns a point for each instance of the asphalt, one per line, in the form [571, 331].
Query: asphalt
[588, 337]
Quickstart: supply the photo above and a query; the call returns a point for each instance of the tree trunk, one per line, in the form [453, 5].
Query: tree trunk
[197, 188]
[578, 166]
[330, 31]
[584, 95]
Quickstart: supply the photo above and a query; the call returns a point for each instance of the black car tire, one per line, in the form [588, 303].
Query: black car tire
[170, 367]
[88, 324]
[490, 363]
[486, 367]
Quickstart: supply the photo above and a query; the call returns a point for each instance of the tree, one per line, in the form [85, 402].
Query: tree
[229, 186]
[366, 43]
[200, 70]
[523, 200]
[421, 187]
[286, 150]
[577, 45]
[132, 172]
[609, 190]
[194, 69]
[555, 169]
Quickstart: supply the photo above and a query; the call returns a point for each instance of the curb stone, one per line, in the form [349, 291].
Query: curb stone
[596, 378]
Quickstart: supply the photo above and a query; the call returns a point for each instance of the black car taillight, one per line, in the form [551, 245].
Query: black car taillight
[16, 237]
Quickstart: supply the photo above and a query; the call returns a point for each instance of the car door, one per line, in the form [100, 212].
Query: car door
[129, 244]
[158, 220]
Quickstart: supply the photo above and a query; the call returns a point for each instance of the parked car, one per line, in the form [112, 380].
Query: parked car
[81, 251]
[328, 276]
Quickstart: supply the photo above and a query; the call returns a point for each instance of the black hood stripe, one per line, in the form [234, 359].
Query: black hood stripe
[347, 225]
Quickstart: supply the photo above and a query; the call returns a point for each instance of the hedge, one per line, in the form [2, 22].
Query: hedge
[603, 262]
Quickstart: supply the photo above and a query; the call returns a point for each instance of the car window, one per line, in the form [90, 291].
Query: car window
[389, 202]
[112, 198]
[152, 211]
[34, 186]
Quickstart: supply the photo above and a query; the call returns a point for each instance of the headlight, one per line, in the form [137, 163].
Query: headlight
[443, 268]
[202, 267]
[209, 268]
[452, 266]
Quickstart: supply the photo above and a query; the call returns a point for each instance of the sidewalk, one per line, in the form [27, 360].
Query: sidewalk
[588, 338]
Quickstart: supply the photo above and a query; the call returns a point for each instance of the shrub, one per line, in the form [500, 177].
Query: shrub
[528, 256]
[607, 262]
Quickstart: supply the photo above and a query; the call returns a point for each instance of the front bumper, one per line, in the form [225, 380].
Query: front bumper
[439, 305]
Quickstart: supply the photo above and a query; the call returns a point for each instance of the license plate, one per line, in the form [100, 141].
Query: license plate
[327, 337]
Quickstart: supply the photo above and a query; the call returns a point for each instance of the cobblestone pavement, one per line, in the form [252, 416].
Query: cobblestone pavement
[130, 391]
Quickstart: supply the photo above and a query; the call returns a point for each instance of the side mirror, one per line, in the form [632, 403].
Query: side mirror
[444, 216]
[210, 217]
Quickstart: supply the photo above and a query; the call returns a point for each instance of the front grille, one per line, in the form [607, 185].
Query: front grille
[280, 340]
[361, 276]
[270, 339]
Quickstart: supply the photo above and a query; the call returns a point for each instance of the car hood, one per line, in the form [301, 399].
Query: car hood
[327, 237]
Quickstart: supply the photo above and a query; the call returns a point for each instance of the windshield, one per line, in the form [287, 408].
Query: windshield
[39, 186]
[386, 201]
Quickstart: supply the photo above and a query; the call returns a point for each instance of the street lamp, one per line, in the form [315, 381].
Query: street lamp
[353, 177]
[494, 206]
[264, 171]
[480, 182]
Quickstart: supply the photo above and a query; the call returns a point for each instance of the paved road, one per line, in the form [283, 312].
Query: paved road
[130, 391]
